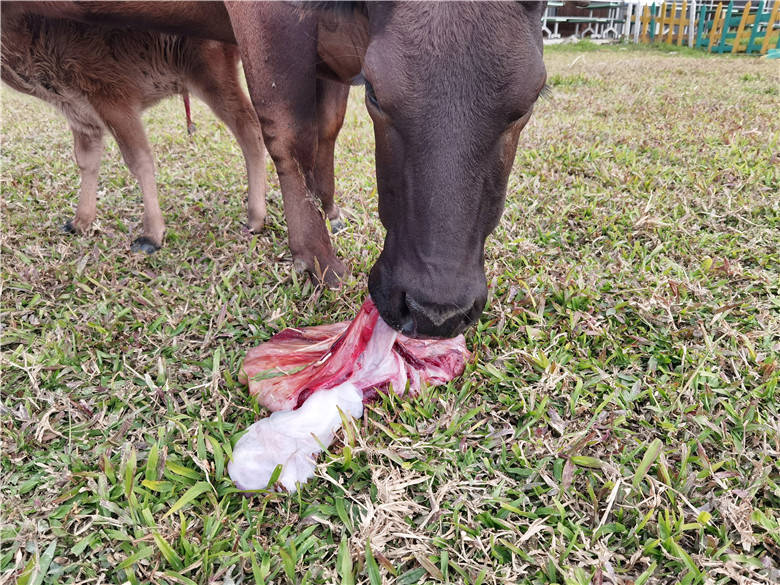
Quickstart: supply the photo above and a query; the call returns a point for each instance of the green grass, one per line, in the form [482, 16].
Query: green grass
[619, 423]
[588, 46]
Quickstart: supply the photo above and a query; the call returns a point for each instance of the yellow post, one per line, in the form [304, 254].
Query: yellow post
[661, 22]
[769, 26]
[743, 37]
[645, 23]
[741, 30]
[670, 21]
[682, 23]
[717, 25]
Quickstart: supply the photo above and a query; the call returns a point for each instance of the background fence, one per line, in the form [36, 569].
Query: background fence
[739, 26]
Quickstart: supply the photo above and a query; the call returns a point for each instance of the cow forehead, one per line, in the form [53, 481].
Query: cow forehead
[425, 41]
[440, 26]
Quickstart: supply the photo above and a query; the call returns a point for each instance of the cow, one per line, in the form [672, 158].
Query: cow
[449, 87]
[102, 78]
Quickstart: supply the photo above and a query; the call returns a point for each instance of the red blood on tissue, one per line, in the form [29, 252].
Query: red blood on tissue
[283, 372]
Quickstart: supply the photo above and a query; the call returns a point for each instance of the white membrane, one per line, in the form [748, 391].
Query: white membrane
[292, 438]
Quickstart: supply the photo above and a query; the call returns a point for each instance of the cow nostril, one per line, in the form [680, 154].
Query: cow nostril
[472, 315]
[406, 320]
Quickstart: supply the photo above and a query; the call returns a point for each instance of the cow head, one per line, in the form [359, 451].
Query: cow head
[449, 87]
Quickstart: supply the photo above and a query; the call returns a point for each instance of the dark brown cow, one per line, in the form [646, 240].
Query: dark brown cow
[101, 79]
[449, 87]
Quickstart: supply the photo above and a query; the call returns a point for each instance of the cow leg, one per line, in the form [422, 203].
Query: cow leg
[129, 133]
[331, 106]
[219, 88]
[87, 150]
[282, 85]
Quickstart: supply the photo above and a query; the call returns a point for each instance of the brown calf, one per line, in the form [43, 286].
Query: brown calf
[102, 79]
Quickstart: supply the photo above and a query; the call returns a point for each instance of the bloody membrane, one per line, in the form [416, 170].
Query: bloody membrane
[305, 376]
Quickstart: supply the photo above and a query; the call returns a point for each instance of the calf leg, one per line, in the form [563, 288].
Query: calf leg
[129, 132]
[331, 106]
[282, 84]
[87, 150]
[219, 88]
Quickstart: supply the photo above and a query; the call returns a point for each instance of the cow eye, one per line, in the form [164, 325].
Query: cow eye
[370, 95]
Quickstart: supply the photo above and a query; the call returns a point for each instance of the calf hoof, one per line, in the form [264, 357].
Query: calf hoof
[144, 244]
[254, 227]
[336, 225]
[76, 226]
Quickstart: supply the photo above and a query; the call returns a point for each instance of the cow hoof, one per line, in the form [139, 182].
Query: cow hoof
[69, 228]
[144, 244]
[254, 229]
[331, 277]
[300, 266]
[336, 225]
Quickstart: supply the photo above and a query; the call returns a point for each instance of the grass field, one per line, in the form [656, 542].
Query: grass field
[618, 425]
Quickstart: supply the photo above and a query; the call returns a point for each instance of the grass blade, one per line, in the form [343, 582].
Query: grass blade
[650, 456]
[372, 568]
[168, 553]
[189, 496]
[37, 567]
[344, 563]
